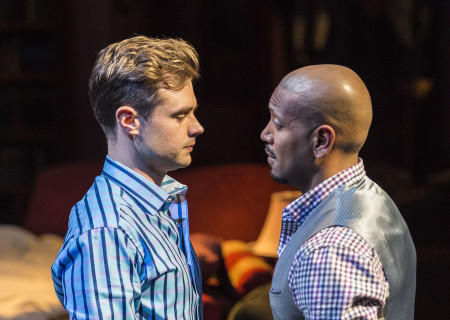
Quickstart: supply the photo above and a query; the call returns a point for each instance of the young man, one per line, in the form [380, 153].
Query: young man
[345, 251]
[127, 253]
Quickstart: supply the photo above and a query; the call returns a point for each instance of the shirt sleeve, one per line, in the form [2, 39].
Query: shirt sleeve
[337, 275]
[100, 278]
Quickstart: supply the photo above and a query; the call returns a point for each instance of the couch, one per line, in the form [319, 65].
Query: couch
[228, 204]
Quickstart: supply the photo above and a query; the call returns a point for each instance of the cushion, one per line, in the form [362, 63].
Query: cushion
[211, 307]
[207, 248]
[246, 271]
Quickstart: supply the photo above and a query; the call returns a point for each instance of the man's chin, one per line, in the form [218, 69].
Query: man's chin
[278, 179]
[181, 164]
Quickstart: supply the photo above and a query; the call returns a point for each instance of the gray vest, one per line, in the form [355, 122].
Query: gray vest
[366, 209]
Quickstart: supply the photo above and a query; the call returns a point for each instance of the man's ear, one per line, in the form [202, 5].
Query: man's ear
[323, 139]
[128, 120]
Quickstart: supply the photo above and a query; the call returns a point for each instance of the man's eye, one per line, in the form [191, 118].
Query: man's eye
[180, 116]
[277, 124]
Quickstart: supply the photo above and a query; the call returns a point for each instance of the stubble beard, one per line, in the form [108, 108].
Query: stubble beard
[278, 179]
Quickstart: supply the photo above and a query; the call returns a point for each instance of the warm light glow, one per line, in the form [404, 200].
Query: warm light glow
[267, 243]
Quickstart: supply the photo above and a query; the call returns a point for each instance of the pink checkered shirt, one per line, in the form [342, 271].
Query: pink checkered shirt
[335, 274]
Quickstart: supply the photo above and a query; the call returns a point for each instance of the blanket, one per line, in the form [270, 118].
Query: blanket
[26, 288]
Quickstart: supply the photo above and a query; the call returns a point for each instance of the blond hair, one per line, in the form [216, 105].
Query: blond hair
[131, 72]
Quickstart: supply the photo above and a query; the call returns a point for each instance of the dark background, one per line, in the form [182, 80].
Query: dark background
[399, 48]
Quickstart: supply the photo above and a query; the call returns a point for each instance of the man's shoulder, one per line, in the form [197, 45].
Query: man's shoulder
[364, 190]
[99, 207]
[363, 184]
[340, 237]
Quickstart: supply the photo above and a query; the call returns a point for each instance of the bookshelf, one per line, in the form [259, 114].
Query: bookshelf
[27, 105]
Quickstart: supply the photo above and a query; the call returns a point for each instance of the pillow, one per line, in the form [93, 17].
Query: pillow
[211, 307]
[246, 271]
[207, 248]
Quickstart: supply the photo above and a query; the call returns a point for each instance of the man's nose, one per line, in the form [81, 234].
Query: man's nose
[196, 128]
[266, 135]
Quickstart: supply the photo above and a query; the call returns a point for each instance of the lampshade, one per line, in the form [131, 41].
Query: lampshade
[267, 243]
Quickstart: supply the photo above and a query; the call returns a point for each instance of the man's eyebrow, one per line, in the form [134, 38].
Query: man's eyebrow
[270, 109]
[186, 109]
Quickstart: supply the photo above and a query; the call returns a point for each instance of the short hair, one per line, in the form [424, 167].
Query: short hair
[132, 72]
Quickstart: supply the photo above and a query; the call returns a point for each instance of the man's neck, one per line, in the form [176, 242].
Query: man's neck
[329, 167]
[127, 157]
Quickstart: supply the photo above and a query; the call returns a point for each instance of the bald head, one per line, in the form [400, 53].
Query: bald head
[336, 96]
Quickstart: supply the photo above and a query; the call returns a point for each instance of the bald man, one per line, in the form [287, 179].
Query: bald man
[345, 251]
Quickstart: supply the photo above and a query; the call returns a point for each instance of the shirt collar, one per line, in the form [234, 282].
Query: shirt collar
[169, 198]
[148, 194]
[298, 210]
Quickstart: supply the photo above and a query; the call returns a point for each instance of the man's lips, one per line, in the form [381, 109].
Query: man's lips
[190, 147]
[269, 152]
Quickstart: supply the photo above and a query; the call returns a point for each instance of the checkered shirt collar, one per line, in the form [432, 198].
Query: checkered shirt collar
[296, 212]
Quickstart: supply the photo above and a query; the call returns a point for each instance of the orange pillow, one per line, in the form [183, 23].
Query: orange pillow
[246, 271]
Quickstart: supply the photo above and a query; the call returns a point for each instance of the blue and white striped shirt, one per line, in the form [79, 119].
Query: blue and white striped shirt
[124, 255]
